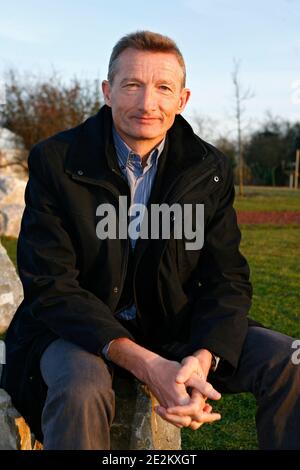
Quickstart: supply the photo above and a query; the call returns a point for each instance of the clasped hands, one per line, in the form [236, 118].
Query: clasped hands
[182, 391]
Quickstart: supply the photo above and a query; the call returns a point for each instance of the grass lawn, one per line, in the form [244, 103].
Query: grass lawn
[10, 244]
[268, 199]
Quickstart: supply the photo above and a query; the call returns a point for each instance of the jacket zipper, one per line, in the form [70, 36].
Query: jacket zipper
[178, 196]
[110, 187]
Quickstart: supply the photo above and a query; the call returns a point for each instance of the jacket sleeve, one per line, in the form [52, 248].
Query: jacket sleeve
[47, 268]
[219, 315]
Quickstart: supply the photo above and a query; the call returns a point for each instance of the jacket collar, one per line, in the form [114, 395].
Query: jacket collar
[92, 154]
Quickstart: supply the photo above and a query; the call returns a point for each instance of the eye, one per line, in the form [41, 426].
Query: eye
[131, 85]
[165, 88]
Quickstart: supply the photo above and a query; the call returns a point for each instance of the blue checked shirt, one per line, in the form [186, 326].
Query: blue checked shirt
[140, 181]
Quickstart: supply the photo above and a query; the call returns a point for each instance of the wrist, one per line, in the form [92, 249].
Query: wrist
[133, 357]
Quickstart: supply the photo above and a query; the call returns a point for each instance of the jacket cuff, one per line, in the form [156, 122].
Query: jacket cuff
[106, 349]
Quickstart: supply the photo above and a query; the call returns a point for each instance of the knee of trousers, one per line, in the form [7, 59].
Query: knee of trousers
[83, 390]
[279, 370]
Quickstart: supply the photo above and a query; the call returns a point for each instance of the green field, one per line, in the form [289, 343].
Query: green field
[268, 199]
[273, 253]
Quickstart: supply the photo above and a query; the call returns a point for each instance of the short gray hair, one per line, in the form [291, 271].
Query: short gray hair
[144, 41]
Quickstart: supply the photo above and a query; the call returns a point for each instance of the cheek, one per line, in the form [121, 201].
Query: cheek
[123, 104]
[169, 107]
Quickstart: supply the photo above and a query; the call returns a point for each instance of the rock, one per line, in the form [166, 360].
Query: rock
[11, 190]
[14, 163]
[12, 205]
[11, 290]
[136, 425]
[10, 219]
[12, 151]
[9, 140]
[14, 432]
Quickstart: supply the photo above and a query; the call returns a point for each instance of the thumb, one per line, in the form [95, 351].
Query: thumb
[184, 373]
[204, 387]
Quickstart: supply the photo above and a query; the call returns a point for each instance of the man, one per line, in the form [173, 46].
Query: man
[175, 318]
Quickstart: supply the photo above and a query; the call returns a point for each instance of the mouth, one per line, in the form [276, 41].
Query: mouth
[146, 120]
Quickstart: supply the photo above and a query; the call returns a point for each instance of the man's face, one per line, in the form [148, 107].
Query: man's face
[146, 94]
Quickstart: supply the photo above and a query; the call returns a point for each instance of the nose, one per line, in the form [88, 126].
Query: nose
[147, 100]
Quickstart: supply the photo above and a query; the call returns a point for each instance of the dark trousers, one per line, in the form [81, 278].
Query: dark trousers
[80, 402]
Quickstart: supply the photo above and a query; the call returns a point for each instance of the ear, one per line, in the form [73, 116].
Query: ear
[106, 92]
[183, 99]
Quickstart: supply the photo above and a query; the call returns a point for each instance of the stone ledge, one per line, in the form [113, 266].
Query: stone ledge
[14, 432]
[136, 426]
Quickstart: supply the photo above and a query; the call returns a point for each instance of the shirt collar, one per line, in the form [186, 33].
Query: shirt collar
[123, 150]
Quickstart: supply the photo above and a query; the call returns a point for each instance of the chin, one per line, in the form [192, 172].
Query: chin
[146, 133]
[145, 136]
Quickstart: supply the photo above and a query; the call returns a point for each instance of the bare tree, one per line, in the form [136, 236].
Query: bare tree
[37, 108]
[204, 126]
[241, 96]
[20, 160]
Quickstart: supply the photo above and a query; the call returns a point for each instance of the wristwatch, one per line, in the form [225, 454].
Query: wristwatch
[214, 362]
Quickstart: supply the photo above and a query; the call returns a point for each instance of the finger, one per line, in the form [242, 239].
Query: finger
[179, 421]
[190, 365]
[203, 387]
[196, 404]
[195, 425]
[196, 414]
[205, 417]
[207, 408]
[191, 409]
[177, 396]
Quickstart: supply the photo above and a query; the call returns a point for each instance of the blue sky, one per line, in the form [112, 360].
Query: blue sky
[76, 37]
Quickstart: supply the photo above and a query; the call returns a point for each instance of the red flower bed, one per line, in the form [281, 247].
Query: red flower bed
[269, 217]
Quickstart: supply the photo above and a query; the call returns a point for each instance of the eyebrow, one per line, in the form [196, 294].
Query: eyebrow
[130, 79]
[134, 79]
[167, 82]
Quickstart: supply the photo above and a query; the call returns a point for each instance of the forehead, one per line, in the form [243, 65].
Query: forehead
[147, 63]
